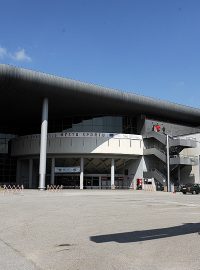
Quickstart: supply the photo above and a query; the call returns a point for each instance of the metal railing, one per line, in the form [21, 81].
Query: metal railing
[154, 146]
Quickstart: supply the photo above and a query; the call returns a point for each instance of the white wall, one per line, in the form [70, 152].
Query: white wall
[30, 145]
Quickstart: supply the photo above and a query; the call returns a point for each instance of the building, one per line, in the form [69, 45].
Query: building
[59, 131]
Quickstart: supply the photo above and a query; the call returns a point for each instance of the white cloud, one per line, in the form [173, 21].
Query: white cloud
[3, 52]
[21, 55]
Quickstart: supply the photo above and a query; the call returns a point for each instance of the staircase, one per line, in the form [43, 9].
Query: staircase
[157, 147]
[156, 152]
[184, 160]
[156, 135]
[183, 142]
[157, 175]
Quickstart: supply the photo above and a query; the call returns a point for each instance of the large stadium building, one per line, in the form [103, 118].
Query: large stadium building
[57, 131]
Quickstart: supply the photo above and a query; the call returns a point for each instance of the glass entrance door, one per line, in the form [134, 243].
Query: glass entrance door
[68, 181]
[91, 182]
[87, 183]
[105, 182]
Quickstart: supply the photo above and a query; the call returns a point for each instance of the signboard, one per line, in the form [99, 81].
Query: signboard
[67, 169]
[98, 135]
[85, 135]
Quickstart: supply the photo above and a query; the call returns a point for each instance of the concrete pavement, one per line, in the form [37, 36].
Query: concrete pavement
[88, 229]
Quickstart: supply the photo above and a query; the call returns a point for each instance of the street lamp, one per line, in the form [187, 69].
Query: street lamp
[168, 165]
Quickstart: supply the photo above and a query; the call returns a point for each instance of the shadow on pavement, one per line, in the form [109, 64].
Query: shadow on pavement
[138, 236]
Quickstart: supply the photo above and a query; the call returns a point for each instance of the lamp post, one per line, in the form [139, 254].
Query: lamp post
[168, 165]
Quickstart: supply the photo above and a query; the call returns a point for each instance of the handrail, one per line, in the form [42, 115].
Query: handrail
[183, 156]
[157, 148]
[160, 173]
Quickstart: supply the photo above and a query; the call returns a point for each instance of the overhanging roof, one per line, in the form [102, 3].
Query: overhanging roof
[22, 91]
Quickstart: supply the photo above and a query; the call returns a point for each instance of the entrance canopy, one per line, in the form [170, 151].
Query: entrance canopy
[22, 92]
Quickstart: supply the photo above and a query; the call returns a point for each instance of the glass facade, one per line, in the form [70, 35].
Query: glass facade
[107, 124]
[103, 124]
[7, 170]
[7, 163]
[4, 142]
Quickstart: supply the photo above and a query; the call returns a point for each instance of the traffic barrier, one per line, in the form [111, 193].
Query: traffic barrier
[149, 187]
[54, 188]
[11, 189]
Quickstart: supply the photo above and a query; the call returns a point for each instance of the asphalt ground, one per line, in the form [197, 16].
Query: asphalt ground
[88, 229]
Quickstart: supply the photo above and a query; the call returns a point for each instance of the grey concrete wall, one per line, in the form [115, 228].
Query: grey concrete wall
[195, 170]
[135, 170]
[151, 162]
[170, 128]
[4, 140]
[187, 176]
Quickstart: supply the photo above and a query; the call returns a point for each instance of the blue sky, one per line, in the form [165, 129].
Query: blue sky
[150, 47]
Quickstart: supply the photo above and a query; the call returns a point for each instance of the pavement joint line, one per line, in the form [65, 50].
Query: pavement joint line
[20, 253]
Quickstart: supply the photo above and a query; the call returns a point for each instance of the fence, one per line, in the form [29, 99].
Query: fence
[11, 189]
[54, 188]
[149, 187]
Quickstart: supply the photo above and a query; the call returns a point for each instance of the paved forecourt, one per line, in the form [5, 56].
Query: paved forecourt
[102, 229]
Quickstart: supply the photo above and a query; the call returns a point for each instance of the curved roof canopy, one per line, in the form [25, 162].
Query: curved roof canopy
[22, 91]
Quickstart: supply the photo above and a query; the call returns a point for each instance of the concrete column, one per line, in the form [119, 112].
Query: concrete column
[52, 171]
[30, 173]
[18, 172]
[81, 172]
[43, 144]
[112, 173]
